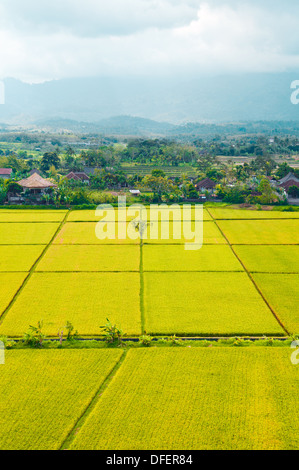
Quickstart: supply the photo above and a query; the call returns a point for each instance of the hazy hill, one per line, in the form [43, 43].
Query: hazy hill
[210, 99]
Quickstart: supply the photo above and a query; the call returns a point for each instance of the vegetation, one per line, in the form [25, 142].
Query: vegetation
[21, 258]
[206, 304]
[281, 291]
[59, 384]
[112, 333]
[163, 169]
[261, 232]
[175, 258]
[269, 259]
[72, 258]
[235, 214]
[31, 216]
[9, 285]
[154, 294]
[27, 233]
[82, 298]
[194, 383]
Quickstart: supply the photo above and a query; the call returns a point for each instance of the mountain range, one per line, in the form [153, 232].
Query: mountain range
[152, 104]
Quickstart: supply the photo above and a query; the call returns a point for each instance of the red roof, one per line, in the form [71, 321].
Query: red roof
[77, 176]
[289, 183]
[5, 171]
[206, 184]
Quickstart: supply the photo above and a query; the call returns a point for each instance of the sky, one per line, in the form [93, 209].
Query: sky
[53, 39]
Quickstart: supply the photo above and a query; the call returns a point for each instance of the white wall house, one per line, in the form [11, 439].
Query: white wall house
[5, 173]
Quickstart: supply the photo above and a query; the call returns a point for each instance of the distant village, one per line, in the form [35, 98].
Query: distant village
[147, 171]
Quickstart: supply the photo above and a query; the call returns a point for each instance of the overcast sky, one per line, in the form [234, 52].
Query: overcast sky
[51, 39]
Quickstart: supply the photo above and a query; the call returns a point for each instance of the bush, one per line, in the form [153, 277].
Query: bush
[145, 340]
[80, 197]
[112, 333]
[174, 341]
[294, 192]
[34, 336]
[233, 195]
[71, 334]
[7, 343]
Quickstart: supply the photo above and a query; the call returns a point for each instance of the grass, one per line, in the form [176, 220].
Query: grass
[197, 399]
[176, 258]
[166, 233]
[90, 258]
[19, 257]
[84, 299]
[27, 233]
[9, 285]
[85, 234]
[143, 170]
[261, 232]
[31, 216]
[281, 291]
[93, 216]
[44, 393]
[269, 259]
[177, 213]
[233, 214]
[206, 304]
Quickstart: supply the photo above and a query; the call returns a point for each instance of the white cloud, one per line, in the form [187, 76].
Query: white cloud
[57, 39]
[94, 18]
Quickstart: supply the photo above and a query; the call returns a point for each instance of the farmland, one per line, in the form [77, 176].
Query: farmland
[241, 214]
[238, 406]
[261, 232]
[73, 258]
[32, 216]
[172, 258]
[20, 257]
[209, 391]
[27, 233]
[145, 285]
[64, 381]
[214, 305]
[85, 299]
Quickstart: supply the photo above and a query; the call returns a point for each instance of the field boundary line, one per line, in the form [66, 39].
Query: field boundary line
[31, 271]
[141, 273]
[252, 280]
[93, 402]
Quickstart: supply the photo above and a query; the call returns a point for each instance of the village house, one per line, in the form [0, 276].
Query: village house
[206, 185]
[135, 192]
[5, 173]
[78, 176]
[36, 185]
[289, 180]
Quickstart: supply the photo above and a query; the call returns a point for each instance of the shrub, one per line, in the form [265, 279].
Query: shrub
[294, 192]
[8, 344]
[34, 336]
[112, 333]
[174, 341]
[71, 334]
[145, 340]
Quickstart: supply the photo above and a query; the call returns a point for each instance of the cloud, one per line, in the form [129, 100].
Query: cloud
[57, 39]
[95, 18]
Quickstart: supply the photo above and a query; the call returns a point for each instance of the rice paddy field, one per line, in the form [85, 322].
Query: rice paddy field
[76, 266]
[200, 394]
[149, 399]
